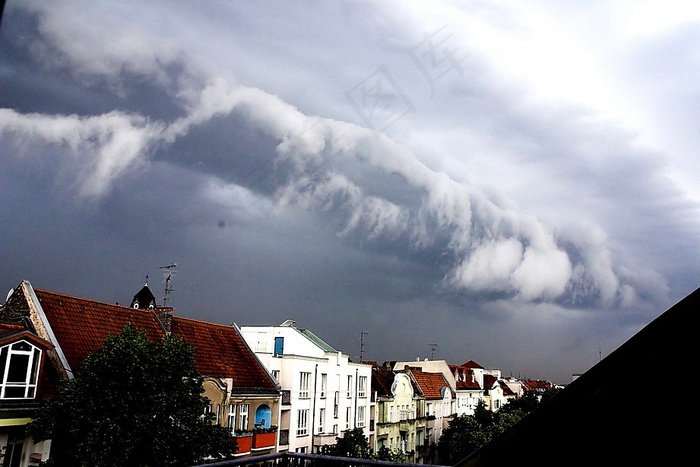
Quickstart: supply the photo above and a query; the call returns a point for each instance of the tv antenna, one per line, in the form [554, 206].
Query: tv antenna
[433, 346]
[362, 345]
[168, 273]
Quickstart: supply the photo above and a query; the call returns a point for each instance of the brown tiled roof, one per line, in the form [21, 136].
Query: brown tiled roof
[430, 384]
[221, 351]
[507, 391]
[81, 325]
[464, 377]
[382, 379]
[472, 364]
[490, 381]
[537, 384]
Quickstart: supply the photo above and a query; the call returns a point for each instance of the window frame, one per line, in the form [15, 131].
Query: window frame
[304, 382]
[15, 361]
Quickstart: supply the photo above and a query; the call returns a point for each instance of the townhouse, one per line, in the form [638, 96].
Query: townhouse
[324, 392]
[401, 419]
[49, 334]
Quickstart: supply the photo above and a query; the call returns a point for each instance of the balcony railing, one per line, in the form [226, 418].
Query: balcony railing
[288, 459]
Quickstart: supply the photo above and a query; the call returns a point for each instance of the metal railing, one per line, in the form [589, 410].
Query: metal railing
[288, 459]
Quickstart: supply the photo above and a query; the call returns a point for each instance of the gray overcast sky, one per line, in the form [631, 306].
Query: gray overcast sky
[517, 184]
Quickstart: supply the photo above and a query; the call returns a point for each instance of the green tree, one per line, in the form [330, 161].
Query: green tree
[525, 403]
[464, 435]
[133, 402]
[386, 454]
[354, 443]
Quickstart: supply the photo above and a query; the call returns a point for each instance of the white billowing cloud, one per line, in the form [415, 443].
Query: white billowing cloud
[103, 146]
[497, 250]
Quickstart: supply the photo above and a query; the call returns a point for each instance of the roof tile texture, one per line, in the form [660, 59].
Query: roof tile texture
[81, 326]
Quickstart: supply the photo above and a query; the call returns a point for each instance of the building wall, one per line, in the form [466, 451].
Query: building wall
[317, 413]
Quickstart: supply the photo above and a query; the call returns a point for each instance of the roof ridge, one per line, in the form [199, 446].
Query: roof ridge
[82, 299]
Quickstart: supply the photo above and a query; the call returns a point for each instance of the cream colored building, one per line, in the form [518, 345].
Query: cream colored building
[401, 418]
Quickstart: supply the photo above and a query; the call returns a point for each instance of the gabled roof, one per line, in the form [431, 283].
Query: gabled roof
[464, 378]
[12, 334]
[81, 325]
[382, 379]
[472, 364]
[490, 381]
[507, 391]
[430, 384]
[592, 421]
[221, 351]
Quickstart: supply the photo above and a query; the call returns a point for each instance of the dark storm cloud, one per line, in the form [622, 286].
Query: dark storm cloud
[223, 139]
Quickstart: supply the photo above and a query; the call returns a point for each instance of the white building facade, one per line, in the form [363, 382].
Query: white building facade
[323, 392]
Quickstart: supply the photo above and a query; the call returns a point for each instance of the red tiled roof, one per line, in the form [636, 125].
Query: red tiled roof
[430, 384]
[464, 377]
[81, 326]
[489, 381]
[472, 364]
[221, 351]
[382, 379]
[507, 391]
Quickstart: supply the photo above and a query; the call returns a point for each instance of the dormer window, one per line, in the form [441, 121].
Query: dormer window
[19, 364]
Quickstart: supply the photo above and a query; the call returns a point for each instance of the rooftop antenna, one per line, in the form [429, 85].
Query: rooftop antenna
[433, 346]
[168, 272]
[362, 345]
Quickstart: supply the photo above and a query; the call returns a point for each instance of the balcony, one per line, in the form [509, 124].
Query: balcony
[257, 440]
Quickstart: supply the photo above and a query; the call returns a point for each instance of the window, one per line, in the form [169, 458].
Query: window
[349, 386]
[244, 408]
[336, 402]
[19, 363]
[232, 418]
[348, 411]
[276, 375]
[304, 384]
[321, 419]
[207, 412]
[362, 389]
[302, 419]
[361, 416]
[279, 346]
[324, 383]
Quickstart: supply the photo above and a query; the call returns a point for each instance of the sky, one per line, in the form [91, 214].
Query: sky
[514, 183]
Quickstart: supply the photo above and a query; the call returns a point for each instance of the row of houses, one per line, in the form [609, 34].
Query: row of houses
[277, 388]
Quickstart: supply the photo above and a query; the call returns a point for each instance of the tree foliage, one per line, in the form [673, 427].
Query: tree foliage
[133, 402]
[390, 455]
[354, 443]
[467, 433]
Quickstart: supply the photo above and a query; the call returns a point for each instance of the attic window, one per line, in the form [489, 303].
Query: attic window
[19, 363]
